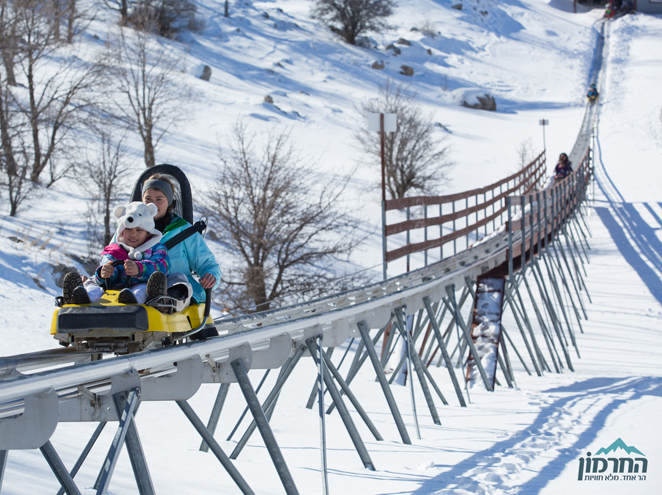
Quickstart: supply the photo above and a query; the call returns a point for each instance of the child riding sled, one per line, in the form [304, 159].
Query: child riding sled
[145, 262]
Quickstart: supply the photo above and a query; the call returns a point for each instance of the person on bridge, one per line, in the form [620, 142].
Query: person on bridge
[592, 94]
[563, 168]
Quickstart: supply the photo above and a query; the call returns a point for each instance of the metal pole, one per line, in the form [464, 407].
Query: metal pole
[382, 381]
[3, 464]
[322, 420]
[216, 413]
[450, 289]
[270, 401]
[106, 473]
[526, 368]
[84, 454]
[444, 351]
[58, 468]
[415, 358]
[344, 414]
[383, 160]
[263, 427]
[241, 418]
[135, 450]
[357, 363]
[350, 395]
[511, 303]
[211, 442]
[525, 318]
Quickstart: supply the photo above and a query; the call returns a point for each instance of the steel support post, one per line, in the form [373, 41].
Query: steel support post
[3, 464]
[322, 420]
[572, 248]
[547, 300]
[505, 371]
[579, 274]
[506, 359]
[126, 417]
[559, 298]
[450, 289]
[555, 321]
[572, 278]
[216, 449]
[444, 351]
[350, 395]
[270, 401]
[344, 413]
[315, 391]
[135, 450]
[415, 359]
[511, 303]
[521, 359]
[245, 411]
[86, 451]
[525, 318]
[558, 268]
[417, 334]
[359, 358]
[216, 413]
[61, 473]
[462, 343]
[579, 235]
[543, 327]
[372, 353]
[386, 349]
[263, 427]
[554, 273]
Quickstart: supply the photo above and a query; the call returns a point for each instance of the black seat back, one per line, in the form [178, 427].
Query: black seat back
[182, 193]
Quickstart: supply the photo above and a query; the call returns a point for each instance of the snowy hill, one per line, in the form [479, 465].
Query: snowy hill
[535, 58]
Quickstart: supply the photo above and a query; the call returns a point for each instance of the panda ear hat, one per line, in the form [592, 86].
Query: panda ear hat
[137, 214]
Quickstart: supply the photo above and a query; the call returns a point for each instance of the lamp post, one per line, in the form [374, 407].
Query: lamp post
[543, 123]
[383, 123]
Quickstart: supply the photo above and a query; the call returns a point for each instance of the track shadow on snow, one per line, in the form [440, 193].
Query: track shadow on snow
[461, 477]
[629, 230]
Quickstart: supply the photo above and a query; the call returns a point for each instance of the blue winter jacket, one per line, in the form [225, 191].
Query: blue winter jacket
[191, 255]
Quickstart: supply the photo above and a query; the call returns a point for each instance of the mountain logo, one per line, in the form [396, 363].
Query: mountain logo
[619, 444]
[624, 467]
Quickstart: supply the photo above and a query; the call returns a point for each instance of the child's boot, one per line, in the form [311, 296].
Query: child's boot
[80, 296]
[70, 281]
[157, 285]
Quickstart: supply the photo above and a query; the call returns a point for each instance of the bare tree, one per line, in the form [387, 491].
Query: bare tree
[8, 40]
[525, 153]
[152, 94]
[104, 176]
[415, 158]
[283, 224]
[121, 7]
[14, 173]
[52, 91]
[351, 18]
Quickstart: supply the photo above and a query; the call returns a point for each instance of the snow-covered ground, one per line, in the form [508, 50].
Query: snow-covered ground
[535, 58]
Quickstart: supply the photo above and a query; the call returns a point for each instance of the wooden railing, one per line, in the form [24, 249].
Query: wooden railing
[463, 216]
[536, 218]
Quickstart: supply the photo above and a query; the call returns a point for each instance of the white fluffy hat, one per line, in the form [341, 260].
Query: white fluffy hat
[137, 214]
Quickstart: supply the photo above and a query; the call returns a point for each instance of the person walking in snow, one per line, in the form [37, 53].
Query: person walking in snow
[563, 168]
[145, 262]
